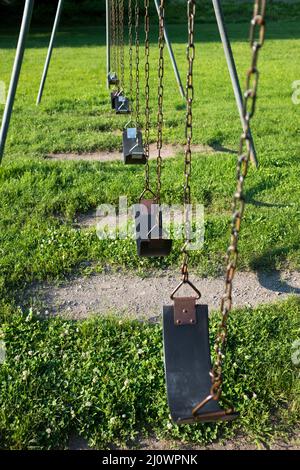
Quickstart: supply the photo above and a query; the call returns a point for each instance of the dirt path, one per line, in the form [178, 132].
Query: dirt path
[240, 442]
[143, 298]
[168, 151]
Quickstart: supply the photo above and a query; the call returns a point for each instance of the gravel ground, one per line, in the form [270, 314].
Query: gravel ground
[168, 151]
[127, 294]
[239, 443]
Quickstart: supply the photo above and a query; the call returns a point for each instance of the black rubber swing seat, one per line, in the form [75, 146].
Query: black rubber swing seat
[122, 105]
[133, 149]
[113, 97]
[112, 79]
[187, 367]
[150, 241]
[154, 247]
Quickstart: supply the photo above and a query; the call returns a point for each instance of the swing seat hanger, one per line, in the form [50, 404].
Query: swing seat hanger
[112, 79]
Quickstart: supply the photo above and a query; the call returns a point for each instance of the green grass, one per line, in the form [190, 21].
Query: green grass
[103, 379]
[39, 200]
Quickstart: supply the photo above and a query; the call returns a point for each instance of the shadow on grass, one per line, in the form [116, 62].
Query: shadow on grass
[87, 36]
[272, 279]
[259, 188]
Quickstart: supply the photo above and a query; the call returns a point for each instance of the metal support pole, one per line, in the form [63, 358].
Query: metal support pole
[232, 71]
[27, 15]
[107, 40]
[50, 50]
[172, 57]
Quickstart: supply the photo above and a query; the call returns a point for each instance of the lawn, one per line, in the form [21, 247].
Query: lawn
[103, 379]
[40, 200]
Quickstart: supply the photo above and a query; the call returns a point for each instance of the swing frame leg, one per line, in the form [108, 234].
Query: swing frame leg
[26, 20]
[50, 50]
[233, 72]
[172, 56]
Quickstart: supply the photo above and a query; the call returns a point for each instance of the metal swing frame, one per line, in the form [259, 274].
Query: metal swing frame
[25, 25]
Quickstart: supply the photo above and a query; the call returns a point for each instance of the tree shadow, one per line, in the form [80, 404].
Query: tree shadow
[218, 147]
[258, 188]
[257, 203]
[271, 279]
[86, 35]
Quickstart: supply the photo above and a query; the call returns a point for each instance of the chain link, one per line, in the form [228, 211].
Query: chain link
[238, 207]
[160, 115]
[191, 11]
[147, 94]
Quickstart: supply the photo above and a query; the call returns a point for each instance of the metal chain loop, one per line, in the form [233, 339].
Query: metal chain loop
[137, 63]
[113, 34]
[130, 52]
[117, 9]
[147, 94]
[160, 115]
[257, 28]
[121, 33]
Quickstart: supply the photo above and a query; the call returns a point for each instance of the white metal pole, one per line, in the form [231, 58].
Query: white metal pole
[50, 50]
[27, 15]
[232, 71]
[172, 57]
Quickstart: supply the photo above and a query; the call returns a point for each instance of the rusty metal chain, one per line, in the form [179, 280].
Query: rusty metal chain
[121, 33]
[160, 115]
[147, 94]
[117, 9]
[191, 11]
[113, 34]
[257, 36]
[137, 63]
[130, 52]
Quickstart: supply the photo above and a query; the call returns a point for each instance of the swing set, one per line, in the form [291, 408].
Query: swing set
[194, 383]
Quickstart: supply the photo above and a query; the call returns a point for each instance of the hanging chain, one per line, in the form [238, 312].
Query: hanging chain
[113, 34]
[147, 93]
[121, 32]
[257, 36]
[137, 63]
[160, 115]
[117, 5]
[130, 52]
[191, 10]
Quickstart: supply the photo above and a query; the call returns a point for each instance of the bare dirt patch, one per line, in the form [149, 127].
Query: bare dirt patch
[130, 295]
[238, 443]
[168, 151]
